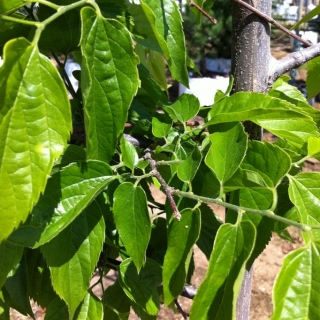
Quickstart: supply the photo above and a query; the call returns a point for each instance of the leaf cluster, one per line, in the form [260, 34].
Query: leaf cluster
[69, 211]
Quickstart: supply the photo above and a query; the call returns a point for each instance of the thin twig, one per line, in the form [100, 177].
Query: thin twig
[167, 189]
[211, 19]
[272, 21]
[183, 313]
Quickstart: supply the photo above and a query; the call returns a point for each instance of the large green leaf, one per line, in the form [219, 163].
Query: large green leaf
[109, 81]
[182, 235]
[314, 147]
[313, 87]
[277, 116]
[304, 192]
[187, 169]
[132, 220]
[142, 287]
[297, 287]
[73, 254]
[10, 255]
[269, 161]
[91, 308]
[68, 192]
[217, 295]
[166, 23]
[35, 122]
[228, 148]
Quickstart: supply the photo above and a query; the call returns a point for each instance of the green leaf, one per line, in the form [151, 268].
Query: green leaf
[91, 308]
[182, 235]
[12, 5]
[187, 169]
[228, 147]
[313, 87]
[73, 254]
[132, 220]
[32, 138]
[4, 309]
[16, 291]
[157, 68]
[62, 35]
[307, 17]
[142, 287]
[68, 192]
[277, 116]
[217, 295]
[314, 147]
[209, 227]
[117, 302]
[57, 310]
[10, 255]
[268, 160]
[166, 23]
[109, 81]
[296, 290]
[183, 109]
[304, 192]
[130, 156]
[161, 124]
[282, 90]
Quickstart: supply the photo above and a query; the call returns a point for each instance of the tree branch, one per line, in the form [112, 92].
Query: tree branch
[212, 20]
[292, 61]
[274, 22]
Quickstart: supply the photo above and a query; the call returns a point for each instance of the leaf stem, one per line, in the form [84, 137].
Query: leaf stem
[27, 22]
[265, 213]
[47, 3]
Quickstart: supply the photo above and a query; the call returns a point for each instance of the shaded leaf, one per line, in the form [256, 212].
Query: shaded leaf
[187, 169]
[217, 295]
[10, 255]
[130, 156]
[142, 287]
[161, 124]
[68, 192]
[32, 138]
[132, 220]
[73, 254]
[57, 310]
[109, 81]
[182, 235]
[297, 286]
[313, 87]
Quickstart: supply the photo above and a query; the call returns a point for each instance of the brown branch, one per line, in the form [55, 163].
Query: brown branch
[183, 313]
[167, 189]
[272, 21]
[292, 61]
[211, 19]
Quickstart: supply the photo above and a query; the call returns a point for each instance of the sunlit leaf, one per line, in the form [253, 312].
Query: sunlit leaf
[73, 254]
[313, 87]
[91, 308]
[35, 123]
[109, 81]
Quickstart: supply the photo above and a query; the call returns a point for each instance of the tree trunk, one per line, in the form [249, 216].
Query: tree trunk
[251, 58]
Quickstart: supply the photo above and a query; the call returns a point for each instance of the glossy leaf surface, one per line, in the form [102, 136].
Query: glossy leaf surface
[228, 147]
[109, 79]
[34, 125]
[142, 287]
[68, 192]
[216, 297]
[169, 34]
[132, 220]
[296, 290]
[72, 255]
[182, 235]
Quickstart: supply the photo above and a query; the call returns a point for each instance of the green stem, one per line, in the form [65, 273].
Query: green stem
[27, 22]
[265, 213]
[47, 3]
[139, 178]
[168, 163]
[301, 161]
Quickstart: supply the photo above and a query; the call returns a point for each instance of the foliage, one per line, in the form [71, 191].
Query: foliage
[70, 210]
